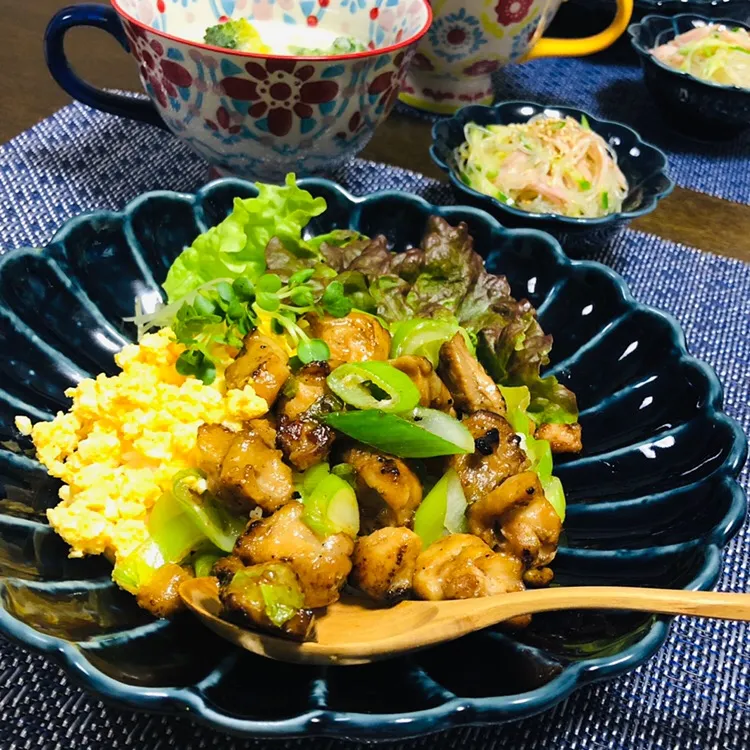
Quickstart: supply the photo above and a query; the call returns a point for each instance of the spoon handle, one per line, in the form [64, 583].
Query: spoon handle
[491, 610]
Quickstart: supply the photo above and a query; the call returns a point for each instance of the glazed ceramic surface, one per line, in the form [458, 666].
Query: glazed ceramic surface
[703, 109]
[254, 115]
[644, 167]
[468, 41]
[652, 499]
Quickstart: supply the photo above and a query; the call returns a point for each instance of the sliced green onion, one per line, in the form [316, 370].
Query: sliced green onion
[422, 337]
[313, 477]
[175, 533]
[272, 588]
[331, 508]
[585, 122]
[204, 563]
[553, 491]
[420, 433]
[442, 511]
[605, 200]
[212, 519]
[517, 400]
[138, 567]
[353, 382]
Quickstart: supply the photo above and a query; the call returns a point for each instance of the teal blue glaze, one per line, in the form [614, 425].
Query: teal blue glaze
[665, 529]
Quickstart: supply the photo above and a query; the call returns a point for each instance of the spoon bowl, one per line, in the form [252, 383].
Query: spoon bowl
[356, 630]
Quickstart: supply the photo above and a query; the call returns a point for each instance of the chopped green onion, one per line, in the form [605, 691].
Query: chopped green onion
[584, 184]
[585, 122]
[605, 200]
[422, 337]
[331, 508]
[175, 533]
[272, 588]
[355, 382]
[313, 477]
[204, 563]
[420, 433]
[213, 520]
[443, 510]
[138, 567]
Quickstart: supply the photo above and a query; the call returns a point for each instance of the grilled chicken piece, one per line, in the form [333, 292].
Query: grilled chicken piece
[387, 489]
[262, 363]
[518, 518]
[246, 604]
[432, 390]
[460, 566]
[245, 468]
[304, 390]
[384, 563]
[497, 455]
[563, 438]
[304, 440]
[321, 565]
[161, 595]
[532, 532]
[356, 337]
[470, 385]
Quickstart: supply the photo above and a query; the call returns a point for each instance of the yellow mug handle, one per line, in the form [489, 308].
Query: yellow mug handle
[587, 45]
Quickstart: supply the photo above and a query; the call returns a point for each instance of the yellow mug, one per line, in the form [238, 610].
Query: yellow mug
[471, 39]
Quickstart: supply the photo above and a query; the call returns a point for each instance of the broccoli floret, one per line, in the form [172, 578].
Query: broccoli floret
[237, 34]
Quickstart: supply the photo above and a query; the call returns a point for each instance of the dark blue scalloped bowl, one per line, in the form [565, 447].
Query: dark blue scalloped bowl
[644, 166]
[652, 499]
[701, 109]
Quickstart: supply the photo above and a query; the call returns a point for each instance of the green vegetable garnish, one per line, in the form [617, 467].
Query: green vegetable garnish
[538, 451]
[331, 508]
[374, 385]
[585, 122]
[208, 515]
[605, 200]
[236, 247]
[237, 34]
[421, 433]
[271, 588]
[341, 45]
[203, 563]
[442, 511]
[423, 337]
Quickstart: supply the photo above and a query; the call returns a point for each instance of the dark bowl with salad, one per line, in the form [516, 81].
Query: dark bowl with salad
[553, 168]
[346, 312]
[697, 70]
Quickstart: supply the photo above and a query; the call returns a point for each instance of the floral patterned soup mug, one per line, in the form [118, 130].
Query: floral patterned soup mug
[255, 115]
[471, 39]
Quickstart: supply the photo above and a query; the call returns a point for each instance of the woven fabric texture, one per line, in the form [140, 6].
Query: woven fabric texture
[693, 695]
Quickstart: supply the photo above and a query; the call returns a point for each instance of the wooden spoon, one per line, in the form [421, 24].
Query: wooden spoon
[357, 630]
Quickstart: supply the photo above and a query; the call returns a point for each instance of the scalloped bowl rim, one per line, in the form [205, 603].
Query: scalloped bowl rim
[462, 115]
[634, 31]
[457, 711]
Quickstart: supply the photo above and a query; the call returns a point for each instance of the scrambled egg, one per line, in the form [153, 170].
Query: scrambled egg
[124, 438]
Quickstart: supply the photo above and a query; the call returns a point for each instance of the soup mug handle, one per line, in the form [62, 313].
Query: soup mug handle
[101, 17]
[587, 45]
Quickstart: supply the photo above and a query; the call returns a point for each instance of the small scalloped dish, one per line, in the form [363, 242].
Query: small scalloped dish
[652, 499]
[696, 107]
[644, 167]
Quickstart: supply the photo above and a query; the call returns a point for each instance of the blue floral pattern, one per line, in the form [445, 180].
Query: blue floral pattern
[522, 40]
[456, 35]
[353, 5]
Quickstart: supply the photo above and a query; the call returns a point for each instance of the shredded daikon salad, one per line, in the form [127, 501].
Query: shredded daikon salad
[712, 53]
[546, 165]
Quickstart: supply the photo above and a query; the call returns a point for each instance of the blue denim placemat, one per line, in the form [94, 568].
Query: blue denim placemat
[693, 695]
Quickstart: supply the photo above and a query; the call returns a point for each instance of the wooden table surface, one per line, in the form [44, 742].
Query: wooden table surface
[28, 94]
